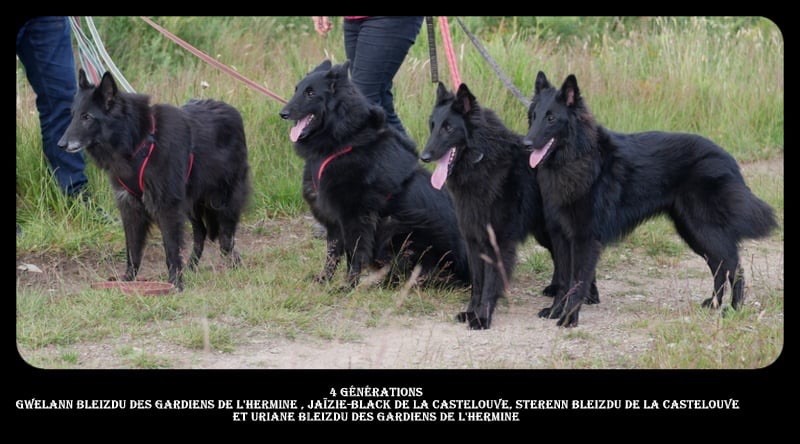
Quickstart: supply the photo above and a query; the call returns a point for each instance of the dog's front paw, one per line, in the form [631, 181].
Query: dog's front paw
[234, 260]
[710, 303]
[321, 278]
[178, 285]
[475, 322]
[479, 323]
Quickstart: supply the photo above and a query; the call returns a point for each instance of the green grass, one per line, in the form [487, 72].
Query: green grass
[720, 77]
[669, 74]
[199, 335]
[143, 360]
[750, 338]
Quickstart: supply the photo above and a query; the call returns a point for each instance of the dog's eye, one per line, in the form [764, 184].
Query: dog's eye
[551, 118]
[447, 128]
[309, 92]
[86, 116]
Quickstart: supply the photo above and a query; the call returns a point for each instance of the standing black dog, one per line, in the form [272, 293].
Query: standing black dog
[483, 163]
[364, 184]
[599, 185]
[165, 163]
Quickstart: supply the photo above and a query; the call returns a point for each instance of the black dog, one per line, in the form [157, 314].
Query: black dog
[165, 163]
[483, 164]
[363, 183]
[598, 185]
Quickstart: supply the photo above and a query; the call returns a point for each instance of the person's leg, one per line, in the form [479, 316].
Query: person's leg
[350, 29]
[45, 49]
[381, 45]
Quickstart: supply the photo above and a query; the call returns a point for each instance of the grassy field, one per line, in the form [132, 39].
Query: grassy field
[720, 77]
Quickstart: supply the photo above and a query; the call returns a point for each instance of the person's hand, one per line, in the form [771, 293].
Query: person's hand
[322, 25]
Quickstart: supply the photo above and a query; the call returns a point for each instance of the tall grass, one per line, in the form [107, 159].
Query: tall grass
[720, 77]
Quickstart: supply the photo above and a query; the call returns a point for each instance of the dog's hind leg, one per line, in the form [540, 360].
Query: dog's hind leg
[199, 235]
[719, 251]
[227, 233]
[737, 287]
[725, 270]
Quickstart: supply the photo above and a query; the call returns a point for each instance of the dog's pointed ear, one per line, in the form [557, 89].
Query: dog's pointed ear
[324, 66]
[569, 91]
[541, 83]
[442, 94]
[337, 73]
[465, 101]
[108, 90]
[83, 82]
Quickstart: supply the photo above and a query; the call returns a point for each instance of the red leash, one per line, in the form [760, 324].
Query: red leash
[213, 62]
[444, 27]
[325, 163]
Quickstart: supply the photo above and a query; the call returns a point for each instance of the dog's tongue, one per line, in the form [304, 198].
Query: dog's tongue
[298, 128]
[538, 155]
[440, 173]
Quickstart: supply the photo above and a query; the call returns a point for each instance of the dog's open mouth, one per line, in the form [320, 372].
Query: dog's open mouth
[443, 167]
[297, 130]
[538, 154]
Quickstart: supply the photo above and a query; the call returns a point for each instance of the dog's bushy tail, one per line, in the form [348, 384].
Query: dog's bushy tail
[757, 219]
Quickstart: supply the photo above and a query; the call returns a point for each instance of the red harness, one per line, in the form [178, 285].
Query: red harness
[317, 178]
[135, 185]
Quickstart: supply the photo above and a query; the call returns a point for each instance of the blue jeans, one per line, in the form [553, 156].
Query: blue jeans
[376, 47]
[44, 46]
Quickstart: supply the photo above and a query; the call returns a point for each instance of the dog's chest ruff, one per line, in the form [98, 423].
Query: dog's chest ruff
[134, 184]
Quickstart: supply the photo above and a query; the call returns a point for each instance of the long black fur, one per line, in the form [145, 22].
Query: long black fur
[111, 125]
[491, 186]
[374, 201]
[599, 185]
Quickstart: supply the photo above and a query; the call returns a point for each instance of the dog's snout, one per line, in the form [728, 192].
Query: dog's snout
[284, 114]
[62, 142]
[425, 157]
[527, 142]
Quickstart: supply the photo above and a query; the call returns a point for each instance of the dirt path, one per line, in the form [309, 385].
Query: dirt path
[612, 334]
